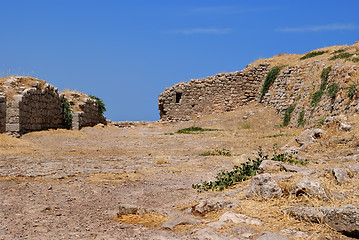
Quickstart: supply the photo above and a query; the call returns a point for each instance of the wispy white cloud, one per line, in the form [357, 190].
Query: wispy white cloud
[320, 28]
[229, 10]
[191, 31]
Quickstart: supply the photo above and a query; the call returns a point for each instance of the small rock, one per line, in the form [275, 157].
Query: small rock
[244, 232]
[354, 167]
[291, 168]
[184, 220]
[311, 188]
[269, 165]
[213, 204]
[294, 233]
[125, 209]
[207, 234]
[272, 236]
[245, 117]
[216, 224]
[345, 126]
[263, 185]
[239, 218]
[340, 174]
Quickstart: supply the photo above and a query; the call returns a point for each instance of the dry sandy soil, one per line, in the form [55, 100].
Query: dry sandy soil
[61, 184]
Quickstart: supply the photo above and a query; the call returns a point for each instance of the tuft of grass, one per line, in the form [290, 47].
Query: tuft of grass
[287, 157]
[288, 115]
[217, 152]
[269, 80]
[194, 130]
[352, 90]
[317, 96]
[332, 90]
[301, 121]
[312, 54]
[355, 59]
[320, 122]
[342, 55]
[245, 125]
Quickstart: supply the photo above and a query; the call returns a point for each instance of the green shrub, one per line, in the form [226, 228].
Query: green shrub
[332, 90]
[269, 80]
[355, 59]
[301, 121]
[194, 130]
[225, 179]
[101, 105]
[342, 55]
[313, 54]
[217, 152]
[241, 173]
[66, 113]
[324, 76]
[352, 90]
[338, 51]
[288, 115]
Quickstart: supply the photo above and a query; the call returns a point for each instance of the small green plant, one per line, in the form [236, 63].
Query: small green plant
[288, 115]
[332, 90]
[217, 152]
[313, 54]
[324, 76]
[194, 130]
[269, 80]
[342, 55]
[287, 157]
[66, 113]
[301, 121]
[101, 105]
[355, 59]
[352, 90]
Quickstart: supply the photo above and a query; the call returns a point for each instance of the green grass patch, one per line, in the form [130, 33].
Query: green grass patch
[245, 125]
[66, 113]
[313, 54]
[195, 130]
[218, 152]
[332, 90]
[288, 115]
[301, 121]
[352, 90]
[269, 80]
[338, 51]
[342, 55]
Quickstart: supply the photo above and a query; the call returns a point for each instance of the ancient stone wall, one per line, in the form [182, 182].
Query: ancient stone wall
[85, 110]
[220, 93]
[296, 86]
[2, 113]
[36, 108]
[88, 116]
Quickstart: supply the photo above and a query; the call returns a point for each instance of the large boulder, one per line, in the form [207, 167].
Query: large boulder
[183, 220]
[311, 188]
[343, 219]
[264, 186]
[309, 136]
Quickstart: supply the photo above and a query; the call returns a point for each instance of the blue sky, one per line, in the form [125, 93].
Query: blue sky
[128, 52]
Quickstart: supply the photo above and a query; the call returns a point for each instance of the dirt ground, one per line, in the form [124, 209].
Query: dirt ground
[61, 184]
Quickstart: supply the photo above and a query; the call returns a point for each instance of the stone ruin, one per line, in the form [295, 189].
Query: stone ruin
[29, 104]
[220, 93]
[85, 110]
[294, 87]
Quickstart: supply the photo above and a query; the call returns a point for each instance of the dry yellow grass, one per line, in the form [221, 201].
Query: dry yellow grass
[150, 219]
[114, 178]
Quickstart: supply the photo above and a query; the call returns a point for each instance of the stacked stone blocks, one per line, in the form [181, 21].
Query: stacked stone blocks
[220, 93]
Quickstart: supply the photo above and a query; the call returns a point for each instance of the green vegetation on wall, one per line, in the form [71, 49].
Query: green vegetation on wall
[288, 115]
[352, 90]
[301, 120]
[66, 113]
[317, 96]
[270, 78]
[101, 105]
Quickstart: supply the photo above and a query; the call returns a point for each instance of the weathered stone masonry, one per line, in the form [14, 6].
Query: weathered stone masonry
[2, 113]
[31, 104]
[220, 93]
